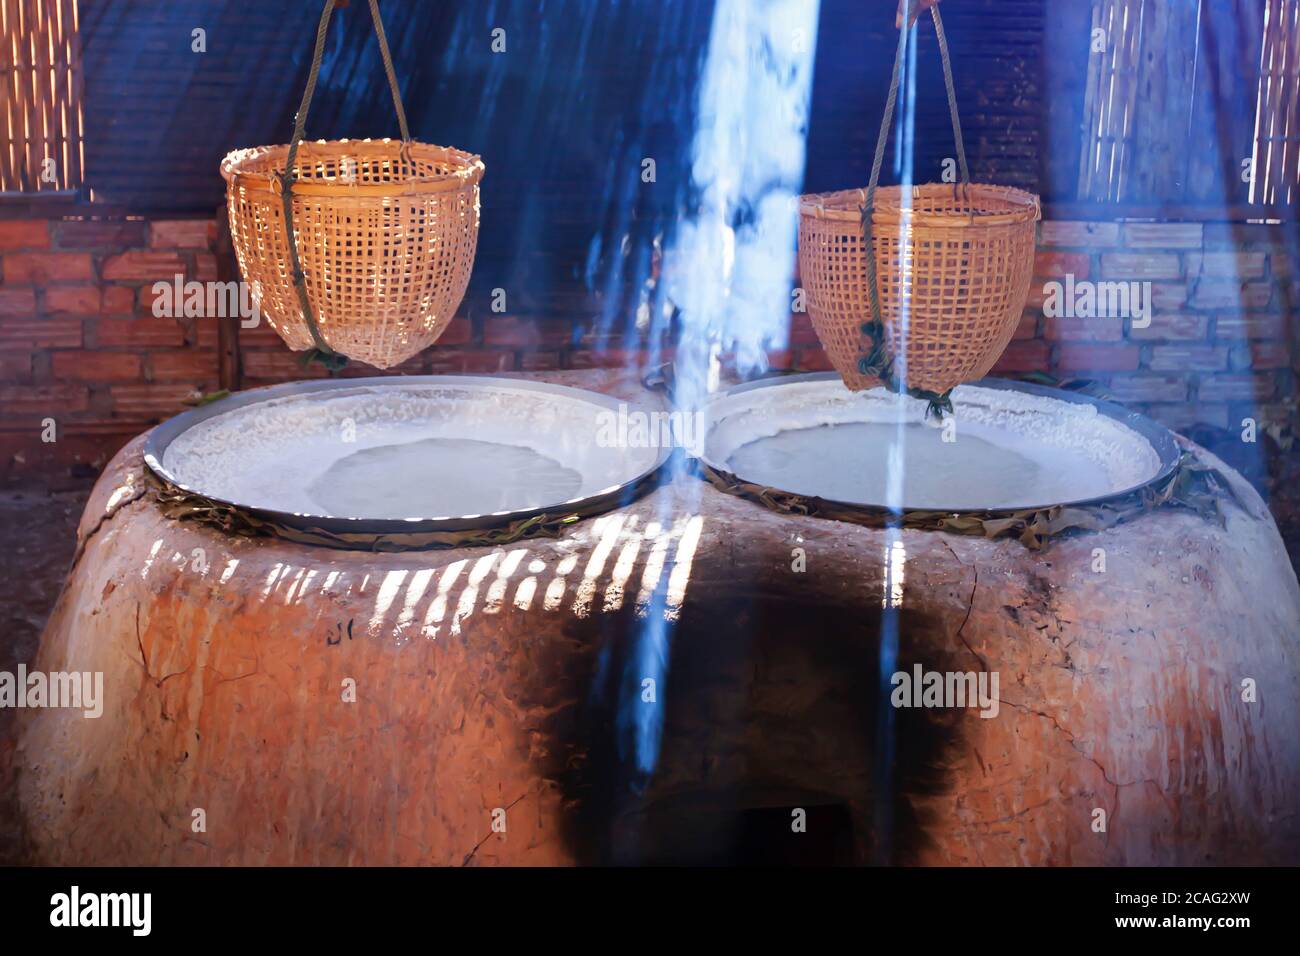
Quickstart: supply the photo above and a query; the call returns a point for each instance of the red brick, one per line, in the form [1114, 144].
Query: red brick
[187, 366]
[143, 266]
[780, 358]
[205, 267]
[1184, 358]
[454, 360]
[811, 359]
[459, 331]
[280, 366]
[1236, 388]
[1234, 235]
[801, 330]
[262, 335]
[87, 366]
[1028, 327]
[1173, 327]
[1262, 355]
[1219, 294]
[150, 401]
[1141, 265]
[1057, 265]
[1097, 358]
[15, 367]
[40, 333]
[24, 234]
[108, 234]
[1086, 330]
[73, 300]
[1037, 296]
[1090, 234]
[1168, 295]
[17, 301]
[182, 233]
[615, 358]
[1024, 357]
[527, 333]
[144, 331]
[539, 361]
[117, 299]
[1181, 416]
[39, 268]
[43, 399]
[1148, 388]
[1241, 325]
[1228, 265]
[415, 365]
[1163, 235]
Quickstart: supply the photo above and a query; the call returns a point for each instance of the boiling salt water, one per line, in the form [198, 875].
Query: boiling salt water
[966, 474]
[442, 477]
[400, 450]
[1006, 448]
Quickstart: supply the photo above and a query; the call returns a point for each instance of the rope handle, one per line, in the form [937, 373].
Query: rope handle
[322, 352]
[877, 362]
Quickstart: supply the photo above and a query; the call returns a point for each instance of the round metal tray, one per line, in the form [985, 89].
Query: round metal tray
[163, 435]
[1162, 441]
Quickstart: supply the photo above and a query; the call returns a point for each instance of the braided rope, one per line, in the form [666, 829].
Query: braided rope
[878, 362]
[322, 352]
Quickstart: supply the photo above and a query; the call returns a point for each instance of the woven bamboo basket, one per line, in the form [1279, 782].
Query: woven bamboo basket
[936, 298]
[385, 231]
[954, 265]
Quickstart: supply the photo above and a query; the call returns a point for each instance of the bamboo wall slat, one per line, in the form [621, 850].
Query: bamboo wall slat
[41, 78]
[1277, 116]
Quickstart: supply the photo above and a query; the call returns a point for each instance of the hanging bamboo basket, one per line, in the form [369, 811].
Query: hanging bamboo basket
[918, 290]
[355, 248]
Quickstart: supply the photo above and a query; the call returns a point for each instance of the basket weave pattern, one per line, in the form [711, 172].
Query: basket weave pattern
[957, 264]
[386, 234]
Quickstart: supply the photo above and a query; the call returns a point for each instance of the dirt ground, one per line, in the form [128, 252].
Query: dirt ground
[37, 534]
[38, 528]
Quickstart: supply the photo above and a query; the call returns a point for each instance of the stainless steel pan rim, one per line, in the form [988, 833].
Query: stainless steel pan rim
[1162, 440]
[163, 435]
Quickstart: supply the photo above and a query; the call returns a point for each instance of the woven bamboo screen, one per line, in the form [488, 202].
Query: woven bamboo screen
[1276, 157]
[1110, 100]
[41, 70]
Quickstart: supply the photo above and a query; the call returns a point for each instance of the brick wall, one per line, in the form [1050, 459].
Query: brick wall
[79, 343]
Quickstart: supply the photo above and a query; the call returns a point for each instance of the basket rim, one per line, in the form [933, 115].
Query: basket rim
[1027, 206]
[469, 172]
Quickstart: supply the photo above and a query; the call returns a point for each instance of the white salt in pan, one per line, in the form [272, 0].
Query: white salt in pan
[406, 451]
[1010, 449]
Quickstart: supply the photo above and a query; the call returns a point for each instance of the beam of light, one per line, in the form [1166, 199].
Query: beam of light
[729, 271]
[153, 554]
[622, 571]
[231, 565]
[496, 592]
[683, 559]
[608, 528]
[525, 592]
[654, 566]
[469, 594]
[419, 584]
[389, 588]
[554, 596]
[895, 556]
[438, 606]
